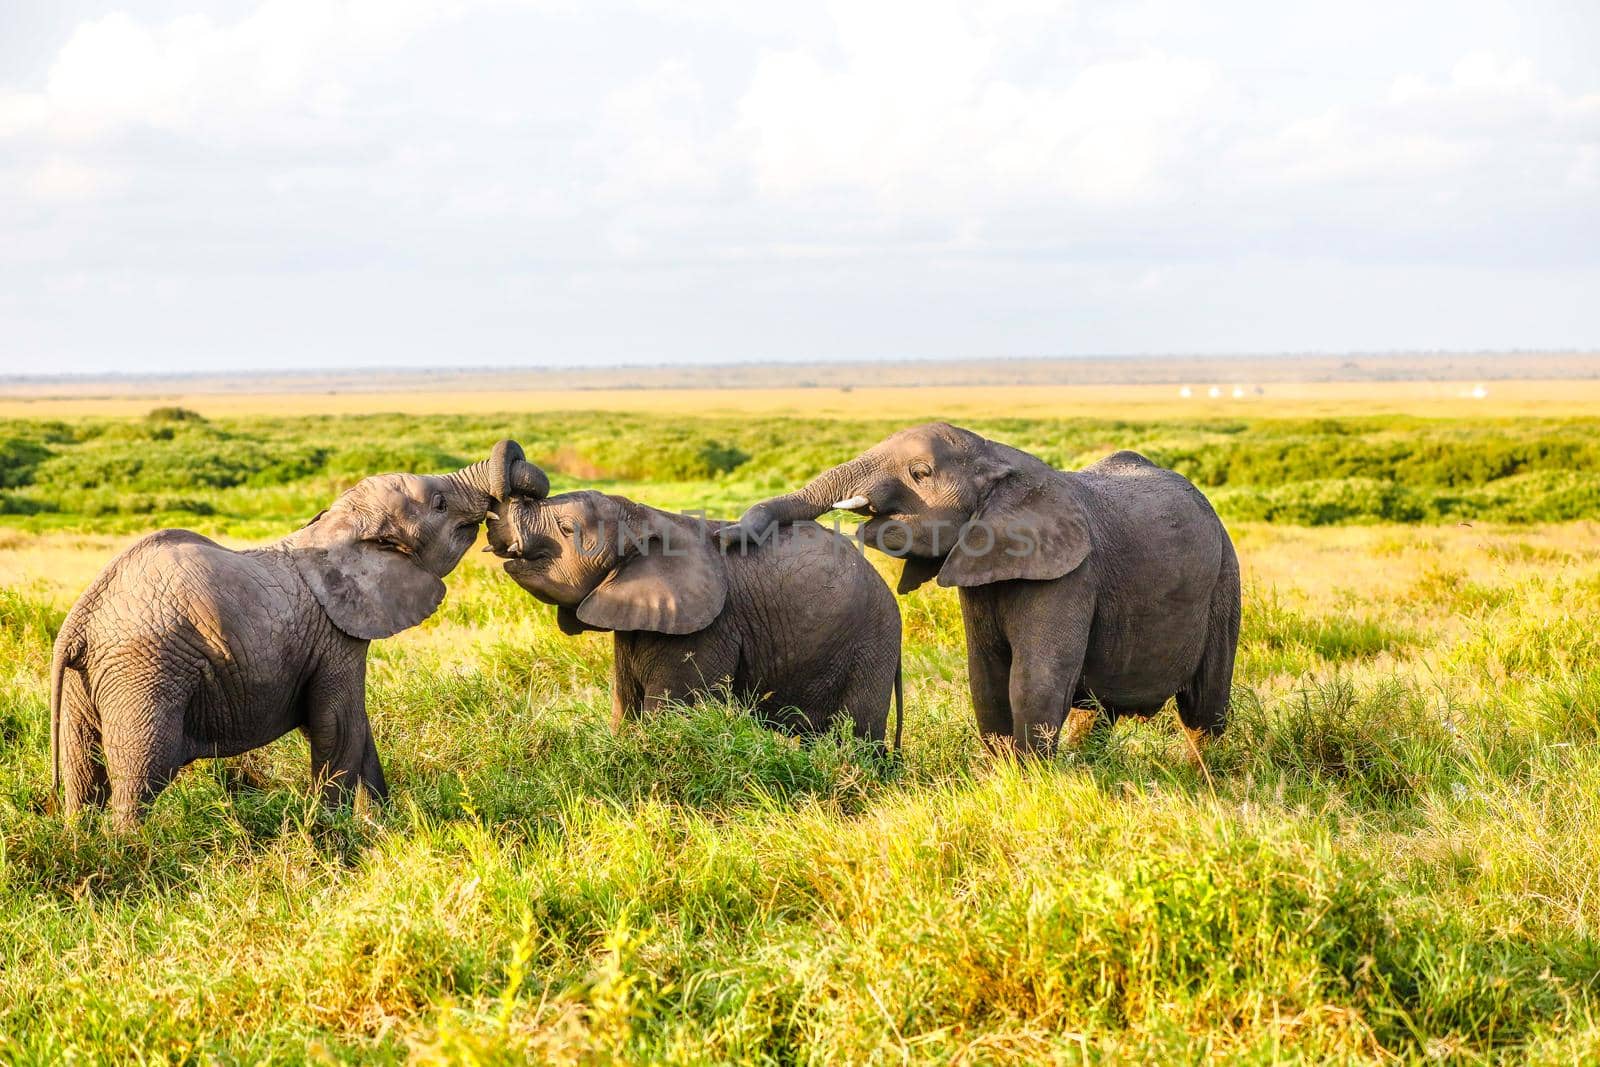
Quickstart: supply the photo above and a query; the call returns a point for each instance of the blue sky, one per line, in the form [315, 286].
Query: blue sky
[305, 183]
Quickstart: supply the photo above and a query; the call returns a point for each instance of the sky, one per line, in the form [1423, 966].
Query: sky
[262, 184]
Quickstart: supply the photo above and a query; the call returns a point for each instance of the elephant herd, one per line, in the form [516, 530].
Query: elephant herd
[1106, 590]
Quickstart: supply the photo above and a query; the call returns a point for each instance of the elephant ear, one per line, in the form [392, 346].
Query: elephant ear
[1030, 526]
[917, 572]
[673, 584]
[368, 591]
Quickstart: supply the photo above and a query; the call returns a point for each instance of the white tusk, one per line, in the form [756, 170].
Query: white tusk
[852, 504]
[516, 548]
[492, 515]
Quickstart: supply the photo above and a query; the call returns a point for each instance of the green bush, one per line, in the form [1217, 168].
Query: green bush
[1306, 472]
[174, 414]
[19, 458]
[354, 462]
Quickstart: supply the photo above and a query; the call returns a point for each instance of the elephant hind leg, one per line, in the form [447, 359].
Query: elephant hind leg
[867, 695]
[1203, 702]
[145, 750]
[84, 781]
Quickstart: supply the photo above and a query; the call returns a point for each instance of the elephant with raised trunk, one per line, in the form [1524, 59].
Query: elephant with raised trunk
[1111, 587]
[805, 627]
[182, 649]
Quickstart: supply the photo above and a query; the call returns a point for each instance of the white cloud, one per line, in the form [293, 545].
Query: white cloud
[922, 112]
[65, 180]
[1065, 176]
[117, 71]
[652, 135]
[1491, 122]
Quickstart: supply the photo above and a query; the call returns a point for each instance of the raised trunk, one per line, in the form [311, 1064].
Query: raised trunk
[505, 473]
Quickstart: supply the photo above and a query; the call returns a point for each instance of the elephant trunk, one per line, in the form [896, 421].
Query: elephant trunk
[504, 474]
[842, 484]
[819, 495]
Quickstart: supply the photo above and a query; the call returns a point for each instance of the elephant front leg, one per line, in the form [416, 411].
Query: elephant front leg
[1044, 678]
[343, 753]
[989, 679]
[1038, 706]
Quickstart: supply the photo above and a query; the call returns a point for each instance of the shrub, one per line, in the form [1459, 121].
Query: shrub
[174, 414]
[19, 458]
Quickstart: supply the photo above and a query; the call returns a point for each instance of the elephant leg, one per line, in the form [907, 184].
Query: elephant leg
[989, 680]
[627, 695]
[1045, 672]
[866, 698]
[683, 668]
[145, 750]
[343, 755]
[372, 771]
[84, 781]
[1203, 701]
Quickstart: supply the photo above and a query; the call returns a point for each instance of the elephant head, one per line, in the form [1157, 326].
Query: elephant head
[608, 563]
[375, 558]
[968, 509]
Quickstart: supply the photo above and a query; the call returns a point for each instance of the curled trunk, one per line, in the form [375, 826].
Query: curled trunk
[504, 474]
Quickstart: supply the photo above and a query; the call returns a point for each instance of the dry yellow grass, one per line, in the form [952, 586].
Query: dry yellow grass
[1287, 399]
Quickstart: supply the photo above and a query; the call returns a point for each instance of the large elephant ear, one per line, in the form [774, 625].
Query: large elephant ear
[1029, 526]
[674, 584]
[368, 591]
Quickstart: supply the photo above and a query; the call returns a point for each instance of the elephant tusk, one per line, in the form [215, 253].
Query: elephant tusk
[852, 504]
[515, 548]
[486, 548]
[492, 515]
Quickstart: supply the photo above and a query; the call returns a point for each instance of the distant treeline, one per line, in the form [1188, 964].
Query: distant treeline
[1311, 472]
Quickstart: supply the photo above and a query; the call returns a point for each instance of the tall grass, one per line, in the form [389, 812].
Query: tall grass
[1391, 855]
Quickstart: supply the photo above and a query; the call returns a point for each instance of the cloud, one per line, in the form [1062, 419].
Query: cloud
[921, 111]
[1489, 118]
[805, 178]
[286, 55]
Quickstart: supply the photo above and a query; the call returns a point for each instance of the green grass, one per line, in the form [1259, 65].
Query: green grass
[1396, 854]
[125, 474]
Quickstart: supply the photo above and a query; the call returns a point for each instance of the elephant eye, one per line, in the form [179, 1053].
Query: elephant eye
[565, 526]
[438, 502]
[389, 544]
[920, 472]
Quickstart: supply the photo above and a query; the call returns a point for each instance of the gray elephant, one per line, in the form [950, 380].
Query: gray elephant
[1115, 586]
[182, 649]
[805, 627]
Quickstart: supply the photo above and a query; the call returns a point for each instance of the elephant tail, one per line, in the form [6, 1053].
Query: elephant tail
[899, 700]
[68, 652]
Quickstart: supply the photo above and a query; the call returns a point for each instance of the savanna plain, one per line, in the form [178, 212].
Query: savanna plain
[1393, 854]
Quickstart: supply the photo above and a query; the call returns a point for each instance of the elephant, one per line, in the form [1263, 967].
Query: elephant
[805, 627]
[182, 649]
[1113, 587]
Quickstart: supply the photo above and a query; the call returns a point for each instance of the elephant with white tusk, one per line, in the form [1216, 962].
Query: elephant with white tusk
[182, 649]
[1113, 587]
